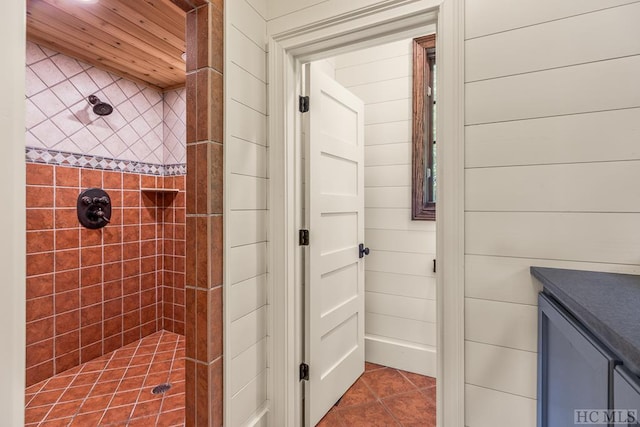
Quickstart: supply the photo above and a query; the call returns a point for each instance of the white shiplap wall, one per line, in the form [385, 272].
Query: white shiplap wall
[400, 286]
[246, 176]
[552, 124]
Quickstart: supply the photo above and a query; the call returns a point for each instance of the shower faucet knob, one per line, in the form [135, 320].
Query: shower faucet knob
[100, 214]
[101, 200]
[87, 200]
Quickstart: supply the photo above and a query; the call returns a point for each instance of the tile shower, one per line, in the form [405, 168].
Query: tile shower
[90, 292]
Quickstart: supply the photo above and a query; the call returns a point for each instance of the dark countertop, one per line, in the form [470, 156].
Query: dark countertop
[608, 304]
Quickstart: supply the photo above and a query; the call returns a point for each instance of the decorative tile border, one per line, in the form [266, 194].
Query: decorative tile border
[61, 158]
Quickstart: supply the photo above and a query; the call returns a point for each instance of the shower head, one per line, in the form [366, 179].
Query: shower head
[99, 107]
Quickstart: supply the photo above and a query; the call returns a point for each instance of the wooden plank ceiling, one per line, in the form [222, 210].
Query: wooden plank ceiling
[142, 40]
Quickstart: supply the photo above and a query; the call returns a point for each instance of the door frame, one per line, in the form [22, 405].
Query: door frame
[13, 215]
[288, 49]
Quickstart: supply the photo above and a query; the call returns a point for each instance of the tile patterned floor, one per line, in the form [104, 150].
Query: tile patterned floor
[115, 389]
[385, 397]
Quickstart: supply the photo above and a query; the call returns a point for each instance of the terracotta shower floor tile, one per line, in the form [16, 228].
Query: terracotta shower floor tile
[115, 389]
[385, 397]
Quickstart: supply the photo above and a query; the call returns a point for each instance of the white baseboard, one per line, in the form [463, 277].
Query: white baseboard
[401, 355]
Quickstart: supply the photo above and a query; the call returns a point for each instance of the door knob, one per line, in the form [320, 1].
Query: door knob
[362, 250]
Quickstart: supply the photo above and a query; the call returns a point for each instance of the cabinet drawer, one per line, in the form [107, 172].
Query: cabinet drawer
[626, 393]
[574, 370]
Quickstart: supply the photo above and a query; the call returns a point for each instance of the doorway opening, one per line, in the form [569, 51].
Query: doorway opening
[288, 50]
[379, 356]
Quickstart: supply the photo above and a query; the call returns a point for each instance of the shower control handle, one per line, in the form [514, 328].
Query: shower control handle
[94, 208]
[101, 214]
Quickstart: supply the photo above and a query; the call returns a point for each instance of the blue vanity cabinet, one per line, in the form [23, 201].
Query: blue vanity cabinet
[626, 393]
[574, 369]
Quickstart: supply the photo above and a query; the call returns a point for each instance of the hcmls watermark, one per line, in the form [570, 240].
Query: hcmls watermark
[605, 416]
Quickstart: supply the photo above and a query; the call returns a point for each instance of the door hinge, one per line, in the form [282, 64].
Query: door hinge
[304, 372]
[303, 237]
[303, 104]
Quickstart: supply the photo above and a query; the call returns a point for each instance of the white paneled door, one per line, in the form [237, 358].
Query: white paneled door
[334, 209]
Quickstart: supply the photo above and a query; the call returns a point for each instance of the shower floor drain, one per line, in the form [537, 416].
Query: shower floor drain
[159, 389]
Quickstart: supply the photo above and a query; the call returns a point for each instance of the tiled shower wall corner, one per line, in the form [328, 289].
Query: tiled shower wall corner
[92, 291]
[172, 281]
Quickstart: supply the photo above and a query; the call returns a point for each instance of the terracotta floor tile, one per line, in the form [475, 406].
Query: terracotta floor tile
[85, 420]
[146, 349]
[124, 352]
[171, 403]
[153, 380]
[430, 392]
[61, 422]
[168, 346]
[177, 387]
[124, 398]
[113, 374]
[75, 393]
[159, 357]
[146, 395]
[404, 404]
[144, 359]
[171, 419]
[36, 414]
[419, 381]
[28, 398]
[58, 382]
[111, 397]
[94, 366]
[358, 394]
[45, 398]
[145, 409]
[96, 403]
[104, 388]
[387, 382]
[145, 422]
[332, 419]
[368, 366]
[63, 410]
[162, 366]
[135, 371]
[88, 378]
[412, 409]
[117, 415]
[34, 388]
[368, 415]
[118, 363]
[131, 383]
